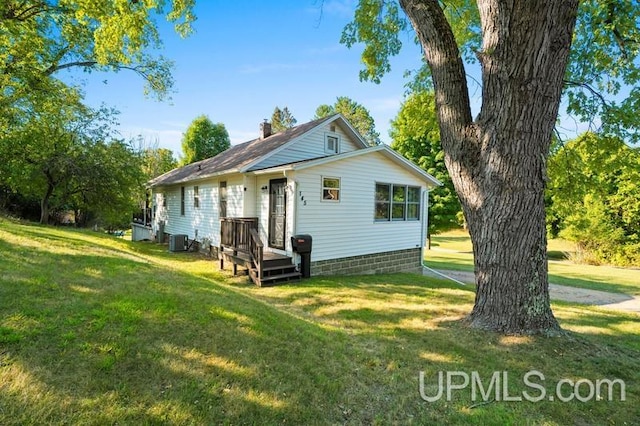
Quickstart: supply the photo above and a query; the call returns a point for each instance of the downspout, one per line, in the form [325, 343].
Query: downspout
[425, 224]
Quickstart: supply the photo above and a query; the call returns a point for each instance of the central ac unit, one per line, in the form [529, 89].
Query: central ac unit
[178, 242]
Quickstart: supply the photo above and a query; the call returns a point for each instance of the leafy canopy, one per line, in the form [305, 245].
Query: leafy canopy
[64, 154]
[416, 136]
[282, 119]
[357, 114]
[601, 82]
[156, 161]
[40, 37]
[593, 197]
[203, 139]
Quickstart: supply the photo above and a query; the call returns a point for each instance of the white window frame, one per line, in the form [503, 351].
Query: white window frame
[390, 203]
[417, 203]
[338, 190]
[334, 137]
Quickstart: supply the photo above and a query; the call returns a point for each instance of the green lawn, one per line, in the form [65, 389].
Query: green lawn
[98, 330]
[452, 250]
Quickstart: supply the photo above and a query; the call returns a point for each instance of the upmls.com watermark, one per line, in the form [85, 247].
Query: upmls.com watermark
[497, 387]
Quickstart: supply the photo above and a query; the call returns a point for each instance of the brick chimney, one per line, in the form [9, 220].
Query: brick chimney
[265, 129]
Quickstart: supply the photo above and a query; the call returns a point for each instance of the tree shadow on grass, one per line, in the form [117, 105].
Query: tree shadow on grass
[179, 347]
[111, 340]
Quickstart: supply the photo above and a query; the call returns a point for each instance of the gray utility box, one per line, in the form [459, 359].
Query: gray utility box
[178, 242]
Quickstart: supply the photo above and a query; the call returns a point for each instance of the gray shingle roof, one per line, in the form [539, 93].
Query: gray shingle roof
[235, 158]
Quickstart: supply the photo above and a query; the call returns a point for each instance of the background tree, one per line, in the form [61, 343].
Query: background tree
[44, 151]
[594, 198]
[358, 116]
[63, 154]
[103, 190]
[203, 139]
[497, 161]
[42, 37]
[48, 140]
[282, 119]
[157, 161]
[416, 136]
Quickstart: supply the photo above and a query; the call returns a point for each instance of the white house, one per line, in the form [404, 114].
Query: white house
[365, 208]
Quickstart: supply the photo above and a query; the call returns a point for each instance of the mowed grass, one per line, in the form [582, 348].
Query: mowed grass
[99, 330]
[452, 250]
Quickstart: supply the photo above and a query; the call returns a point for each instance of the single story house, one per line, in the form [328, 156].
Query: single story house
[365, 208]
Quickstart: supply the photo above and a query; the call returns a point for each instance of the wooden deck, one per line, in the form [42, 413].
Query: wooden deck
[241, 246]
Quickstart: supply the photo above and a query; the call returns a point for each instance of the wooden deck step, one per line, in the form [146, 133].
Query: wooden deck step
[276, 268]
[268, 280]
[268, 269]
[274, 259]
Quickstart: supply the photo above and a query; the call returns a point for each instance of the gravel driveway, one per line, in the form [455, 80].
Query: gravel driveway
[619, 301]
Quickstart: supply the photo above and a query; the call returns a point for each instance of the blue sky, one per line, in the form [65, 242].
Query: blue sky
[246, 57]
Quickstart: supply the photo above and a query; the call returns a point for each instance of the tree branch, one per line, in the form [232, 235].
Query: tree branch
[15, 13]
[54, 67]
[621, 41]
[447, 70]
[590, 89]
[139, 69]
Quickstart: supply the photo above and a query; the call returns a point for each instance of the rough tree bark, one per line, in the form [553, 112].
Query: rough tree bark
[498, 161]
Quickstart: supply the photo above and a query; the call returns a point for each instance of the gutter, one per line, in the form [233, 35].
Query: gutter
[197, 179]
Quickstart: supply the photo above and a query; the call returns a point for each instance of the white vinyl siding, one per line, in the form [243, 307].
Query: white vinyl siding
[204, 219]
[310, 146]
[348, 228]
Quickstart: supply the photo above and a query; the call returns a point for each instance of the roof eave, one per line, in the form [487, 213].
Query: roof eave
[198, 179]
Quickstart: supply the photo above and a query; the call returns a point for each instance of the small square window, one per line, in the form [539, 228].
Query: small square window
[331, 144]
[330, 189]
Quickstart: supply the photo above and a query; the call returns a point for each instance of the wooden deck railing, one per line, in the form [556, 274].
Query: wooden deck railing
[257, 252]
[235, 232]
[142, 217]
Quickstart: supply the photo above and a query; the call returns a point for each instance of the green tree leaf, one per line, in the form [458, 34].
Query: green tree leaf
[416, 136]
[357, 114]
[203, 139]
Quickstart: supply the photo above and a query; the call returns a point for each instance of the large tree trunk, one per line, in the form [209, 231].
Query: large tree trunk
[44, 206]
[44, 203]
[498, 162]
